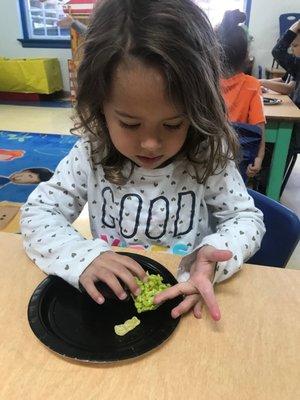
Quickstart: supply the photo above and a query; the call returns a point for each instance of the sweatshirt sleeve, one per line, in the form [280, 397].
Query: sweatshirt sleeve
[49, 238]
[238, 224]
[288, 61]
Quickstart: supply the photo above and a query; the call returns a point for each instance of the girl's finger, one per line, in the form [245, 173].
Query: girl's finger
[92, 291]
[126, 276]
[108, 277]
[185, 288]
[207, 292]
[198, 309]
[221, 255]
[132, 265]
[185, 305]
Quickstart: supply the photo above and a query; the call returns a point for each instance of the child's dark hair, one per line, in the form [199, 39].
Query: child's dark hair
[44, 174]
[233, 40]
[176, 37]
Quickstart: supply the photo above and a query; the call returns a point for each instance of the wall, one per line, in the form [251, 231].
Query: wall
[11, 30]
[264, 26]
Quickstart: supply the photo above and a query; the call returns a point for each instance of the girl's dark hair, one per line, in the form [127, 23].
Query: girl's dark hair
[176, 37]
[234, 41]
[44, 173]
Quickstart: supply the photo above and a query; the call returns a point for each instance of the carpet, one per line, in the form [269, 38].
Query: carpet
[52, 103]
[26, 159]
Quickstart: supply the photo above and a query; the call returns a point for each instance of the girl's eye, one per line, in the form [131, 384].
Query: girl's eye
[173, 127]
[128, 126]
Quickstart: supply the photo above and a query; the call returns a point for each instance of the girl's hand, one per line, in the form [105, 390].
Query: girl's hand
[199, 287]
[254, 168]
[107, 268]
[66, 22]
[295, 27]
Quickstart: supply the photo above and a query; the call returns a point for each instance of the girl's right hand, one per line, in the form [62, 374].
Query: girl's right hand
[295, 27]
[107, 268]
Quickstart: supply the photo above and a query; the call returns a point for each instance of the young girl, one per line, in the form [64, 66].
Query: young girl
[290, 62]
[242, 93]
[155, 162]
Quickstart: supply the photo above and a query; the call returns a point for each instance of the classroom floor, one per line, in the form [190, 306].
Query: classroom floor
[59, 120]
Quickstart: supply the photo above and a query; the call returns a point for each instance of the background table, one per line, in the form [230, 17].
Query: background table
[279, 128]
[251, 354]
[274, 73]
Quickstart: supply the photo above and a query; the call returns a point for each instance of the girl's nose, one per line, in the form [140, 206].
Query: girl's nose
[151, 142]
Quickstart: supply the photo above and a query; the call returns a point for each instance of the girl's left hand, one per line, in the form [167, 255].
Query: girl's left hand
[199, 287]
[254, 168]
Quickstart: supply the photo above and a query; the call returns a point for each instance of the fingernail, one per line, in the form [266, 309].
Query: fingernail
[175, 315]
[123, 296]
[137, 292]
[145, 279]
[100, 300]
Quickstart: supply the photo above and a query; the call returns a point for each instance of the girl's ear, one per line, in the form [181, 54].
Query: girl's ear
[103, 120]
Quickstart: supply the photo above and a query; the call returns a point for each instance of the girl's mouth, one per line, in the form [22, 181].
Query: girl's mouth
[149, 160]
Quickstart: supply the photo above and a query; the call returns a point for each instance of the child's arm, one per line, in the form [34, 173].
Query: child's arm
[254, 168]
[79, 27]
[239, 224]
[56, 247]
[49, 238]
[238, 234]
[69, 22]
[280, 51]
[278, 86]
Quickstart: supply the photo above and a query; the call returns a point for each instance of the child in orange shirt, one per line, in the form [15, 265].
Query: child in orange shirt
[241, 92]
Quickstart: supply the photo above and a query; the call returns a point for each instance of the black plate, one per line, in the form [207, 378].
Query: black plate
[270, 101]
[72, 324]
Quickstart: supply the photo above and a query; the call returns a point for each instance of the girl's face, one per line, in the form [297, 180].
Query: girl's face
[25, 177]
[143, 124]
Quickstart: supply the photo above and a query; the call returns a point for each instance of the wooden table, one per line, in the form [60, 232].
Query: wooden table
[279, 128]
[251, 354]
[274, 73]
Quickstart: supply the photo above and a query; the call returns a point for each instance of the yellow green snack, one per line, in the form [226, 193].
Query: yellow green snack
[144, 301]
[128, 325]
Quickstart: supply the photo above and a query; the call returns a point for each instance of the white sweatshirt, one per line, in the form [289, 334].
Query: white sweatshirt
[160, 209]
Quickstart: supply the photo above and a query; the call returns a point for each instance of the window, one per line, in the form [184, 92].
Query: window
[39, 22]
[215, 8]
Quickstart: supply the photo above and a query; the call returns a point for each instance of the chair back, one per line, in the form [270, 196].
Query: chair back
[249, 138]
[286, 21]
[282, 232]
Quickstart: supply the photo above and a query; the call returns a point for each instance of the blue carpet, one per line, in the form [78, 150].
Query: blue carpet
[27, 159]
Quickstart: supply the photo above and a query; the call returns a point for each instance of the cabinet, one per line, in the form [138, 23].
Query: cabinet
[80, 10]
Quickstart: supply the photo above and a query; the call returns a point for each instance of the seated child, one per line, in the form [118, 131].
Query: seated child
[290, 62]
[241, 92]
[156, 161]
